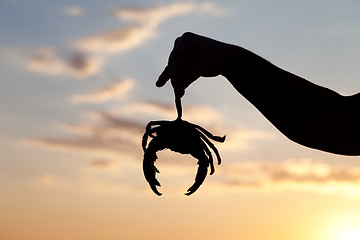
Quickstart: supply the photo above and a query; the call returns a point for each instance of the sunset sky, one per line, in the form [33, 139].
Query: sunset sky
[78, 88]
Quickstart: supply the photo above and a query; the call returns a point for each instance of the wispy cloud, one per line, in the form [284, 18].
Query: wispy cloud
[198, 114]
[145, 22]
[299, 175]
[74, 11]
[92, 183]
[293, 174]
[109, 148]
[210, 8]
[105, 166]
[158, 14]
[83, 65]
[238, 139]
[117, 90]
[243, 139]
[114, 41]
[153, 16]
[89, 53]
[109, 137]
[46, 60]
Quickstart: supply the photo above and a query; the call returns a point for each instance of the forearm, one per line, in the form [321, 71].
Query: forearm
[306, 113]
[263, 83]
[247, 71]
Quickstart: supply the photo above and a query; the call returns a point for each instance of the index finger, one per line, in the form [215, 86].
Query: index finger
[163, 78]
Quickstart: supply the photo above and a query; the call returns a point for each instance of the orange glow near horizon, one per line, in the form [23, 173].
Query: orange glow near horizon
[350, 234]
[345, 227]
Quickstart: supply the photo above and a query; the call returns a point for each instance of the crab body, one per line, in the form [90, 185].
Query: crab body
[183, 137]
[180, 137]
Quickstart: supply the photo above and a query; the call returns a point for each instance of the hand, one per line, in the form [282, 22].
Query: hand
[193, 56]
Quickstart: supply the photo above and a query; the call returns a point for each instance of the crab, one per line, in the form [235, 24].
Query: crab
[182, 137]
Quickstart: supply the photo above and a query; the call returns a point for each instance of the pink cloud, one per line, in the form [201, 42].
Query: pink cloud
[46, 60]
[303, 175]
[145, 22]
[109, 137]
[74, 11]
[117, 90]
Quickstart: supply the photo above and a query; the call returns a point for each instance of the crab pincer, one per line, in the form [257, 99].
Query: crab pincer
[149, 168]
[150, 171]
[199, 179]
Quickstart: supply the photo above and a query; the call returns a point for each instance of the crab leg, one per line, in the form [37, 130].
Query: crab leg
[201, 172]
[212, 146]
[149, 132]
[149, 168]
[152, 123]
[209, 134]
[210, 158]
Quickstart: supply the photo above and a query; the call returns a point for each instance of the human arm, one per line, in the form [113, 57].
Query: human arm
[306, 113]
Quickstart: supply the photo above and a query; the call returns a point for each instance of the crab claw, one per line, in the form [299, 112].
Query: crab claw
[219, 139]
[150, 171]
[200, 177]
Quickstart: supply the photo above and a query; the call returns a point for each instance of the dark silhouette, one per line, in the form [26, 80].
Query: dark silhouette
[306, 113]
[183, 137]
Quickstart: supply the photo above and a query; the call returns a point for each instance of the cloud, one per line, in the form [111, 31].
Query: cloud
[196, 114]
[238, 139]
[145, 22]
[110, 137]
[115, 41]
[292, 174]
[74, 11]
[153, 16]
[143, 25]
[46, 60]
[152, 107]
[212, 9]
[117, 90]
[87, 146]
[83, 65]
[107, 135]
[309, 171]
[91, 183]
[105, 166]
[300, 175]
[115, 142]
[158, 14]
[203, 114]
[242, 139]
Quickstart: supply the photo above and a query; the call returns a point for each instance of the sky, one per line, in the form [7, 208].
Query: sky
[78, 88]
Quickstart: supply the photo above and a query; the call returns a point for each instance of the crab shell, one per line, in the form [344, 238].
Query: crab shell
[183, 137]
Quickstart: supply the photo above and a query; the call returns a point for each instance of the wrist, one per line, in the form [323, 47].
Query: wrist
[232, 60]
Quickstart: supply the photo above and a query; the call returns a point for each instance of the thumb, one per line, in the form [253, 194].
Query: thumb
[163, 78]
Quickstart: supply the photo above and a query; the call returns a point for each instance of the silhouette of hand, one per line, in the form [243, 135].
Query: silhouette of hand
[193, 56]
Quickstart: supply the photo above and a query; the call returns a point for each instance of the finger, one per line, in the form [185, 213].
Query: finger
[179, 92]
[163, 78]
